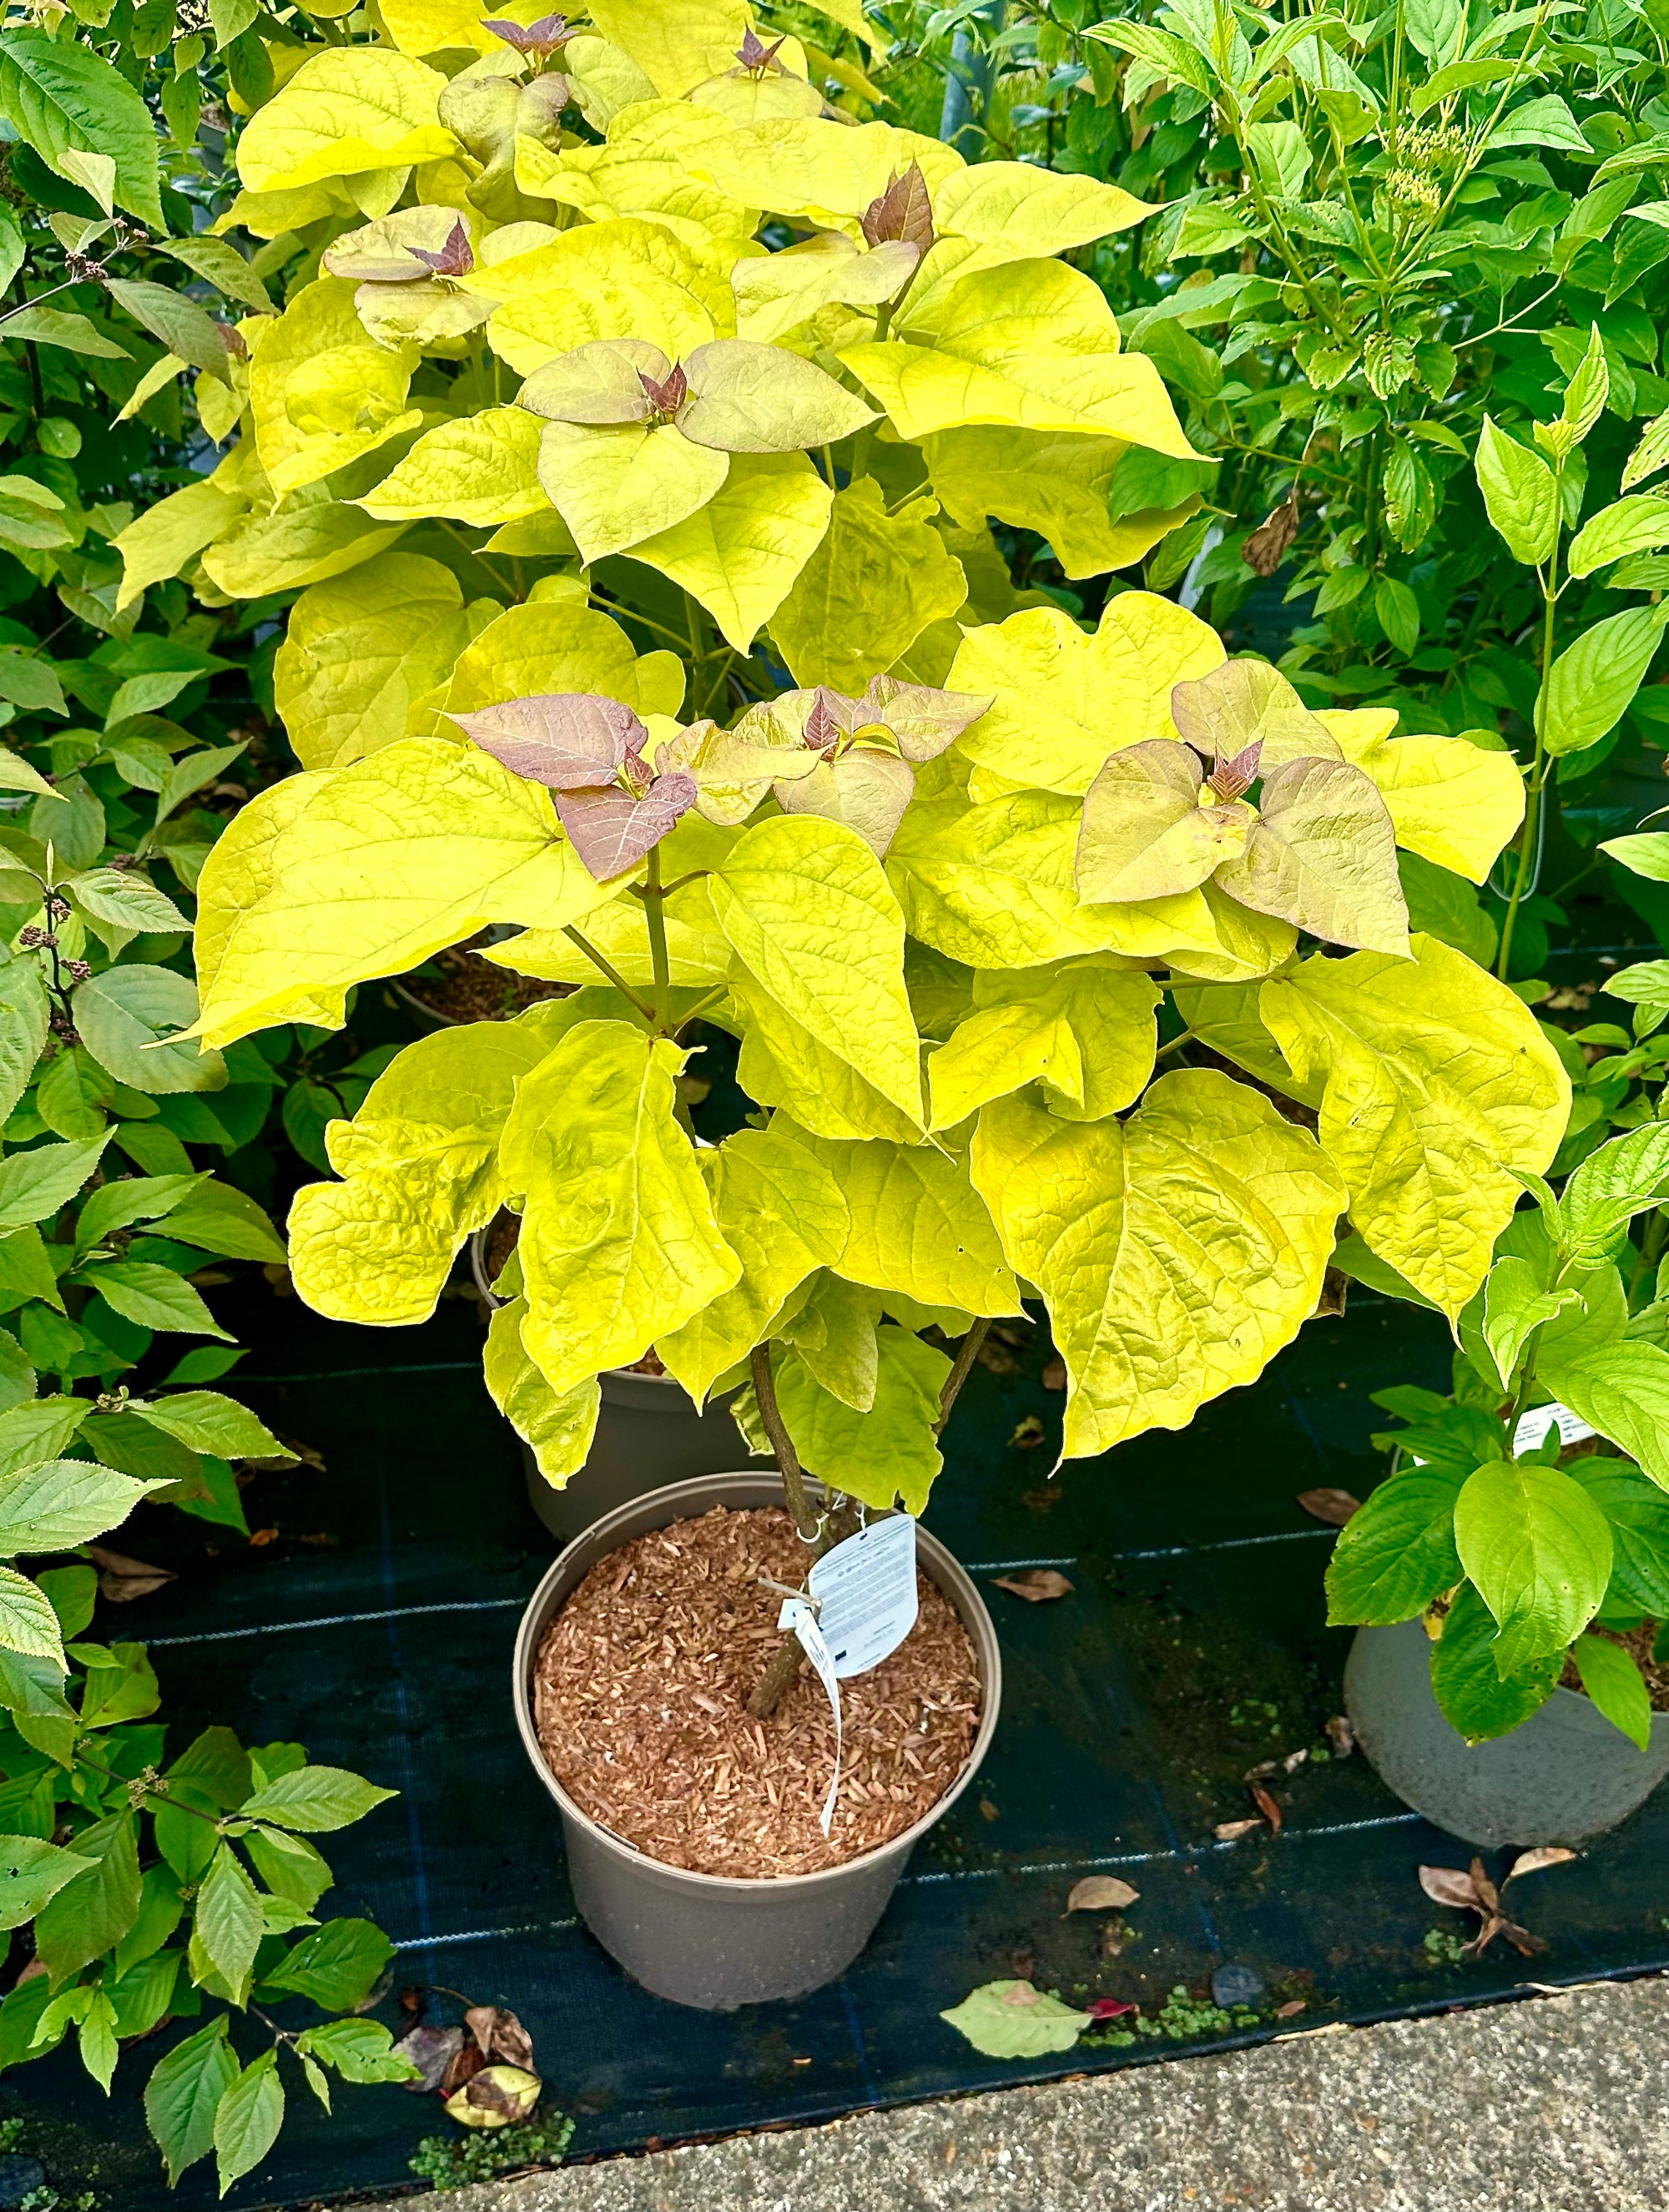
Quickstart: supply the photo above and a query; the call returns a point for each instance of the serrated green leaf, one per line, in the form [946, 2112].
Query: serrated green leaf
[227, 1924]
[184, 2093]
[247, 2120]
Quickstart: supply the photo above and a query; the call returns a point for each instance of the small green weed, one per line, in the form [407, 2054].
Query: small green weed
[454, 2161]
[1443, 1947]
[1181, 2018]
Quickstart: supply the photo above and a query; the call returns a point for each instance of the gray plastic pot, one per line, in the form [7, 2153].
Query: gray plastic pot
[712, 1940]
[648, 1433]
[1564, 1776]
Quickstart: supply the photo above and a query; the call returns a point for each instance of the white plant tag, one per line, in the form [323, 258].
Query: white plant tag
[866, 1590]
[798, 1619]
[1533, 1426]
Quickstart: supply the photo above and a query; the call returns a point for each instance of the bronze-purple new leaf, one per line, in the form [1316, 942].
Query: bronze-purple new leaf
[923, 719]
[566, 740]
[824, 725]
[540, 39]
[1234, 775]
[455, 258]
[903, 210]
[612, 830]
[755, 56]
[666, 394]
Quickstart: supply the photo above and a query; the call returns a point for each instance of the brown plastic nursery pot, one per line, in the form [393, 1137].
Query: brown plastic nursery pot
[713, 1940]
[649, 1432]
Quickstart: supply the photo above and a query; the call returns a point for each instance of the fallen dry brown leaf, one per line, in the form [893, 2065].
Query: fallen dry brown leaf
[1340, 1736]
[431, 2051]
[121, 1579]
[1230, 1831]
[499, 2034]
[1035, 1584]
[1486, 1889]
[1451, 1886]
[1101, 1893]
[1544, 1855]
[1267, 1806]
[1028, 1435]
[1054, 1374]
[1335, 1507]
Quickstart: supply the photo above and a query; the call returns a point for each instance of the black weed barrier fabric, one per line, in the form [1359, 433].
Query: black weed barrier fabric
[376, 1625]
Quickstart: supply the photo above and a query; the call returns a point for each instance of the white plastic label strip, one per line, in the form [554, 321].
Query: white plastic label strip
[1534, 1426]
[866, 1592]
[798, 1619]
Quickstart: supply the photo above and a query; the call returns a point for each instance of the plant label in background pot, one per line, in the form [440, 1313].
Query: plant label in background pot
[1533, 1426]
[865, 1588]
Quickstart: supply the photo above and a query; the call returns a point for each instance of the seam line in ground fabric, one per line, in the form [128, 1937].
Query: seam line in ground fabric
[849, 2004]
[970, 1874]
[337, 1620]
[1007, 1567]
[490, 1604]
[1295, 1407]
[1220, 1544]
[402, 1706]
[487, 1934]
[1181, 1854]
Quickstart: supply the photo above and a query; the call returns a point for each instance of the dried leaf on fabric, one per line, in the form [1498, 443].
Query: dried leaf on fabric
[1036, 1584]
[500, 2034]
[1544, 1855]
[121, 1579]
[1451, 1886]
[1101, 1893]
[1335, 1507]
[1267, 1806]
[431, 2051]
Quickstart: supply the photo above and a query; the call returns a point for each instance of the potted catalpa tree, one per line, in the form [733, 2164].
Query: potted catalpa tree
[746, 381]
[560, 389]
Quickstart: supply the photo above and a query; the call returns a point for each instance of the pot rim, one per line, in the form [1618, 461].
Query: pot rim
[942, 1566]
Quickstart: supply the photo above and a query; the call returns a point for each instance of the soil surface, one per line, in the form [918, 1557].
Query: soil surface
[471, 989]
[640, 1699]
[1638, 1644]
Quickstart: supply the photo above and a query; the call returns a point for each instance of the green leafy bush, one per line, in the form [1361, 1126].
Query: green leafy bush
[146, 1889]
[1525, 1548]
[1387, 237]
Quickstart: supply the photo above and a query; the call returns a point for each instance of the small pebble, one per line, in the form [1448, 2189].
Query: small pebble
[18, 2176]
[1237, 1986]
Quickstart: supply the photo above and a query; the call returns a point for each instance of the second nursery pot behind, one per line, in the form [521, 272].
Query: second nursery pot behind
[649, 1432]
[711, 1941]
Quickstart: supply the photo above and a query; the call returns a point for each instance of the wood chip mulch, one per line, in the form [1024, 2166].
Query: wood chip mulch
[640, 1700]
